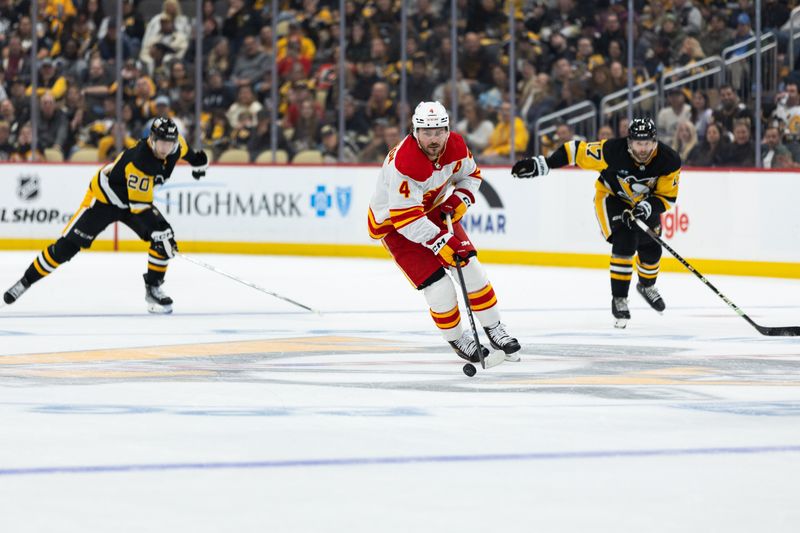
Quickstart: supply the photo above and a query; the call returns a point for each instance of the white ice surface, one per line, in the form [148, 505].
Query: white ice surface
[688, 421]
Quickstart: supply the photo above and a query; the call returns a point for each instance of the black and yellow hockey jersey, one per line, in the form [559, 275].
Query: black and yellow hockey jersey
[623, 177]
[128, 182]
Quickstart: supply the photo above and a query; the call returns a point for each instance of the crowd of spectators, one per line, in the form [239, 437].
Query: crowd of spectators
[567, 51]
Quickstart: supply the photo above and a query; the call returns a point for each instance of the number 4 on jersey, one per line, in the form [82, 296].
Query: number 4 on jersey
[404, 190]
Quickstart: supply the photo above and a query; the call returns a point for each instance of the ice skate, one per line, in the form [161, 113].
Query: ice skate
[466, 349]
[16, 290]
[157, 301]
[501, 340]
[619, 308]
[652, 297]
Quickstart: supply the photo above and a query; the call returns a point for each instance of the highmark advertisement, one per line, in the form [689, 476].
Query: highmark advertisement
[323, 210]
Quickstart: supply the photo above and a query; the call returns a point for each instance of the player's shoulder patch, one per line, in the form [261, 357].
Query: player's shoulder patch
[411, 161]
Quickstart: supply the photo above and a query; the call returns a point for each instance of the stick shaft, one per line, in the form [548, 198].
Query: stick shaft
[764, 330]
[466, 299]
[212, 268]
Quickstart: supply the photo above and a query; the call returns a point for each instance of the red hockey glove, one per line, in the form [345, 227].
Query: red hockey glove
[449, 248]
[456, 204]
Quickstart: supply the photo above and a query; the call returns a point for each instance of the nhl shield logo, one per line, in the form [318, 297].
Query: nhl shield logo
[28, 187]
[343, 197]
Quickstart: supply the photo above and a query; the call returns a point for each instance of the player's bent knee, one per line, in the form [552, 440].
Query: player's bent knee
[64, 249]
[441, 294]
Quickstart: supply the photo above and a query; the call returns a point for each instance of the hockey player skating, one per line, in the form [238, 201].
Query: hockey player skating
[123, 191]
[639, 178]
[427, 176]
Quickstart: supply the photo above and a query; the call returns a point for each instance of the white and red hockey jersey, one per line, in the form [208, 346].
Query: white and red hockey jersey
[410, 185]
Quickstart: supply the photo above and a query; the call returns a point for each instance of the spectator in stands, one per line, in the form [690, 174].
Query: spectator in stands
[472, 61]
[8, 114]
[217, 134]
[491, 98]
[49, 80]
[166, 42]
[713, 151]
[499, 147]
[240, 20]
[420, 86]
[6, 148]
[605, 132]
[14, 59]
[74, 111]
[612, 29]
[380, 105]
[770, 146]
[376, 148]
[178, 77]
[742, 150]
[600, 84]
[52, 124]
[23, 147]
[296, 35]
[107, 145]
[685, 139]
[716, 36]
[219, 58]
[330, 147]
[251, 63]
[69, 63]
[107, 45]
[245, 101]
[730, 108]
[787, 111]
[216, 95]
[475, 129]
[306, 131]
[486, 18]
[358, 45]
[355, 123]
[689, 17]
[702, 114]
[293, 57]
[261, 139]
[179, 23]
[586, 59]
[689, 53]
[133, 23]
[144, 105]
[676, 111]
[617, 51]
[95, 87]
[242, 130]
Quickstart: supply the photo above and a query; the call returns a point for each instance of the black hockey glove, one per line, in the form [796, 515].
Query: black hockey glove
[642, 211]
[164, 243]
[200, 165]
[530, 168]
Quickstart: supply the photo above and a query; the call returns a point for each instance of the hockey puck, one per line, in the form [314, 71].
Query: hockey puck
[469, 369]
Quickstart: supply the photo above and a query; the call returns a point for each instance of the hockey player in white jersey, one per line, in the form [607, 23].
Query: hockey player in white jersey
[428, 175]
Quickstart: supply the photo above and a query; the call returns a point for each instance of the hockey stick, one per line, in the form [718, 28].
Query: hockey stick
[492, 359]
[781, 331]
[243, 282]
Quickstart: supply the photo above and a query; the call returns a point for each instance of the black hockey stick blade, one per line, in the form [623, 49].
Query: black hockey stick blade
[778, 331]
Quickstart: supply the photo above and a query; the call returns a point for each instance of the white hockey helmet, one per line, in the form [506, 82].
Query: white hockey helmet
[430, 115]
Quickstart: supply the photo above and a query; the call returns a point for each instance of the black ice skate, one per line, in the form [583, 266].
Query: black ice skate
[16, 290]
[466, 349]
[619, 308]
[501, 340]
[651, 296]
[157, 301]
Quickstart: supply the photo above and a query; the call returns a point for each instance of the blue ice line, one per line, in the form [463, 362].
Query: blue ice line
[367, 461]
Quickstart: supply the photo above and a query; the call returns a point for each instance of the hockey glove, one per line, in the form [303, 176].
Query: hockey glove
[457, 204]
[530, 168]
[164, 243]
[200, 165]
[449, 248]
[642, 211]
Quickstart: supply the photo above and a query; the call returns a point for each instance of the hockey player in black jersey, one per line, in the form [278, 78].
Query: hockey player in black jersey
[123, 191]
[639, 178]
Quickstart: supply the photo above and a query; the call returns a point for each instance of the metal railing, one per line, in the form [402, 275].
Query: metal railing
[739, 62]
[581, 117]
[701, 75]
[615, 105]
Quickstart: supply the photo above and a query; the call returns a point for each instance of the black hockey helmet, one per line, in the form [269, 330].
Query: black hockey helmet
[642, 129]
[164, 128]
